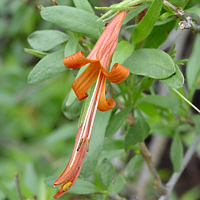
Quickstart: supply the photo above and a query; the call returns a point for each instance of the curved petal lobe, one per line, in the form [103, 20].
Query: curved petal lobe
[105, 104]
[118, 73]
[87, 78]
[77, 60]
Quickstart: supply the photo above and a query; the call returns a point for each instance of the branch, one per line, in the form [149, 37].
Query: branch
[16, 179]
[187, 22]
[175, 176]
[159, 187]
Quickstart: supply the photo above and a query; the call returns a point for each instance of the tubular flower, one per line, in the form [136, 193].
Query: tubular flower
[97, 71]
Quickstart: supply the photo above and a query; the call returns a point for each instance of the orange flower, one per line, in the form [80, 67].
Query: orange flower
[97, 70]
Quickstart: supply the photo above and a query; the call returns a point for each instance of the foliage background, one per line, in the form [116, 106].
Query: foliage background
[35, 138]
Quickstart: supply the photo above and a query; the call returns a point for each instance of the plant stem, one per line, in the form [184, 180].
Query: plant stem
[160, 188]
[174, 178]
[187, 22]
[16, 179]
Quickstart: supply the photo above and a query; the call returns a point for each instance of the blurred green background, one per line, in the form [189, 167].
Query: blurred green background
[35, 138]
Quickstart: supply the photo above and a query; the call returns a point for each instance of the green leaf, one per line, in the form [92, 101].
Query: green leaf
[144, 28]
[133, 165]
[73, 19]
[73, 110]
[153, 63]
[71, 46]
[47, 39]
[84, 5]
[96, 143]
[47, 67]
[117, 186]
[123, 51]
[193, 67]
[138, 132]
[166, 102]
[113, 145]
[134, 13]
[107, 172]
[116, 122]
[179, 3]
[30, 178]
[194, 10]
[158, 35]
[83, 187]
[39, 54]
[176, 152]
[176, 80]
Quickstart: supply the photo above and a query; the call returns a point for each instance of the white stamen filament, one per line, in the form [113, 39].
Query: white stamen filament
[87, 117]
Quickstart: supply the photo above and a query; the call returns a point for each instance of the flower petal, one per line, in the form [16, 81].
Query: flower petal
[70, 182]
[105, 104]
[118, 74]
[77, 60]
[82, 84]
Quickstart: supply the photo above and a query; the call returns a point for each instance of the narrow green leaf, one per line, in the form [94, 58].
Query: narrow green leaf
[123, 51]
[134, 13]
[153, 63]
[116, 122]
[158, 35]
[83, 187]
[176, 80]
[113, 145]
[71, 46]
[73, 110]
[138, 132]
[46, 40]
[165, 102]
[73, 19]
[133, 165]
[193, 67]
[47, 67]
[117, 186]
[194, 10]
[144, 28]
[39, 54]
[84, 5]
[176, 152]
[179, 3]
[96, 143]
[107, 172]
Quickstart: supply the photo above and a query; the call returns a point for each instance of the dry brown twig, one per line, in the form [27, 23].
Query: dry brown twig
[16, 179]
